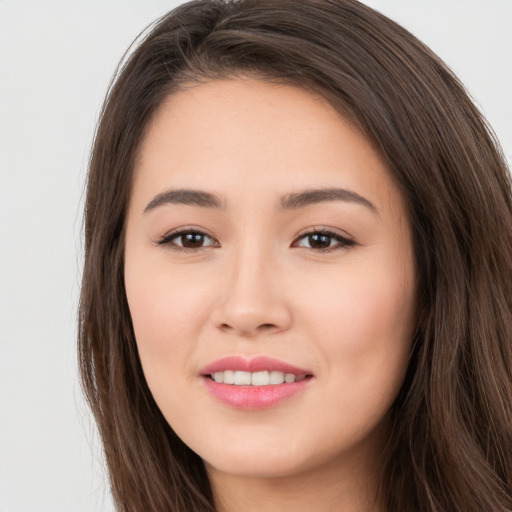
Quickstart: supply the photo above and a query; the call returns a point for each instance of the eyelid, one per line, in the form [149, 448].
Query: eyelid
[165, 240]
[324, 229]
[345, 240]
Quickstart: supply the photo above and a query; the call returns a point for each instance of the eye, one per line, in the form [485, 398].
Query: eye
[188, 239]
[323, 240]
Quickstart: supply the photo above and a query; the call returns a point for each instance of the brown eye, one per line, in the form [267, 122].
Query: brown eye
[183, 240]
[323, 241]
[319, 241]
[192, 240]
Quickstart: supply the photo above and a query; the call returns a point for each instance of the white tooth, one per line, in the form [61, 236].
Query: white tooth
[297, 379]
[276, 378]
[289, 377]
[229, 377]
[260, 378]
[242, 378]
[218, 376]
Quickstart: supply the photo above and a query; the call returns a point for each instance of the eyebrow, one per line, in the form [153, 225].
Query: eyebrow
[290, 201]
[309, 197]
[187, 197]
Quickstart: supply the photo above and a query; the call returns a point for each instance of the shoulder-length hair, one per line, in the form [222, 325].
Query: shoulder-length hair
[450, 446]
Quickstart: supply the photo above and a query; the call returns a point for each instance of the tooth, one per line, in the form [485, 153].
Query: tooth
[263, 378]
[242, 378]
[276, 377]
[260, 378]
[229, 377]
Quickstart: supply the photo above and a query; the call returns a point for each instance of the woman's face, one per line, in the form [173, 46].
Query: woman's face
[266, 241]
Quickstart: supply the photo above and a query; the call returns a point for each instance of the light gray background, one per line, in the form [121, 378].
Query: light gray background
[56, 59]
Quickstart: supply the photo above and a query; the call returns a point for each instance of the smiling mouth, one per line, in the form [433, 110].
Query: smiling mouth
[254, 383]
[260, 378]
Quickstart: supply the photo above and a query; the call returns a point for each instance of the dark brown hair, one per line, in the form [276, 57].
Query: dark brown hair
[450, 447]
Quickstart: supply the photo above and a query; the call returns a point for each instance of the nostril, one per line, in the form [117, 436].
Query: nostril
[262, 327]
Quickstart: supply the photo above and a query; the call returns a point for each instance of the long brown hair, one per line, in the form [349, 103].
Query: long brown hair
[450, 446]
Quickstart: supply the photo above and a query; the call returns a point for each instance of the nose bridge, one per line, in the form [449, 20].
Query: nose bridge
[253, 301]
[250, 261]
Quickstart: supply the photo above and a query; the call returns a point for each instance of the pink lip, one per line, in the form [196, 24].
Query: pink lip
[257, 364]
[253, 397]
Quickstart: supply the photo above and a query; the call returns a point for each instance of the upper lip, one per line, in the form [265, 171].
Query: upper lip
[255, 364]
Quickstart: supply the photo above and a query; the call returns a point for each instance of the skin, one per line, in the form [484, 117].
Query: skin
[258, 285]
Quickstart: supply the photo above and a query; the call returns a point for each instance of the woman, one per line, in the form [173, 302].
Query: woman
[297, 290]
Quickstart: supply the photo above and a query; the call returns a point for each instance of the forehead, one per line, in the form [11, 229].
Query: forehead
[263, 136]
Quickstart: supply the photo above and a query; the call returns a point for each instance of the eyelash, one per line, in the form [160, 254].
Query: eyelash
[342, 242]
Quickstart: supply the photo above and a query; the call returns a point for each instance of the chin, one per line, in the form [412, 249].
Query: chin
[269, 458]
[259, 466]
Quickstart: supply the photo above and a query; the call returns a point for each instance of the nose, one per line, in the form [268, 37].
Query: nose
[252, 299]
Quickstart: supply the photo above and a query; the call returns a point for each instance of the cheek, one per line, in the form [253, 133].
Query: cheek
[168, 312]
[360, 300]
[363, 322]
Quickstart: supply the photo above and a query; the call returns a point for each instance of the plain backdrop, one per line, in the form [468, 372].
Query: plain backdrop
[56, 59]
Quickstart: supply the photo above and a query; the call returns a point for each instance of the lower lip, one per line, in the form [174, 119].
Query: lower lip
[254, 397]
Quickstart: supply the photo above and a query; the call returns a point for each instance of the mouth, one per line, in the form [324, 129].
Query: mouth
[262, 378]
[254, 384]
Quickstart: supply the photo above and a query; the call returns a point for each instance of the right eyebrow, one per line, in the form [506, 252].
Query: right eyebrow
[187, 197]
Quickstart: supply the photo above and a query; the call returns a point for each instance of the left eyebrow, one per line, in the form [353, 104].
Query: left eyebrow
[305, 198]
